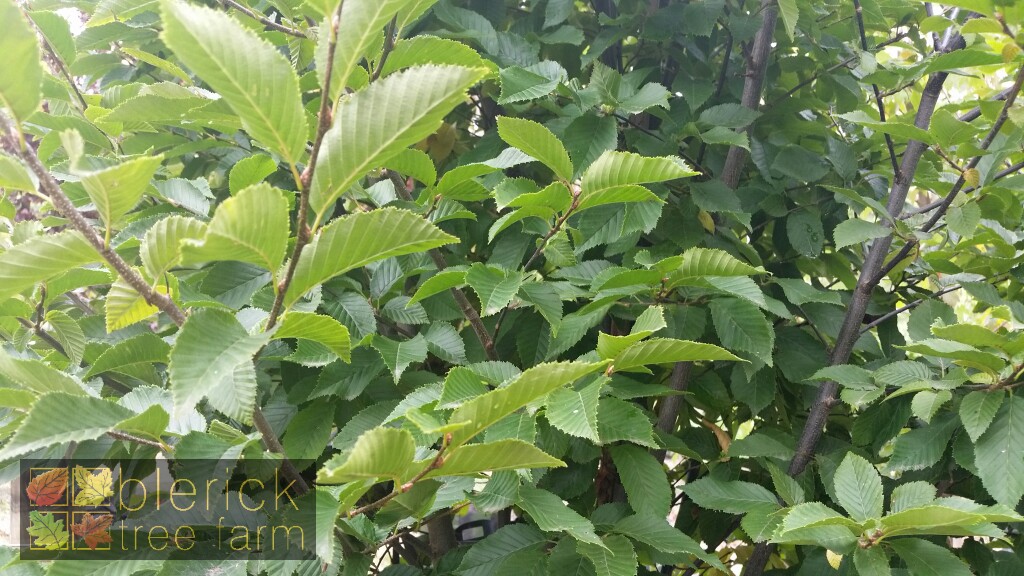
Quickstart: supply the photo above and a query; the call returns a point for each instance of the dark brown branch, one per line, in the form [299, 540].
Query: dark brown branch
[389, 45]
[757, 65]
[475, 321]
[945, 203]
[1009, 171]
[263, 19]
[668, 412]
[881, 319]
[817, 417]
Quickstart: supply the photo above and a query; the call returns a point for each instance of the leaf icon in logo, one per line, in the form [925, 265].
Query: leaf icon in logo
[93, 529]
[48, 488]
[92, 487]
[48, 531]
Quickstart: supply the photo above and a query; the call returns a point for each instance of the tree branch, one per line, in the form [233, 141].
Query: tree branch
[1014, 169]
[668, 412]
[263, 19]
[858, 10]
[944, 204]
[303, 233]
[881, 319]
[866, 282]
[475, 321]
[752, 85]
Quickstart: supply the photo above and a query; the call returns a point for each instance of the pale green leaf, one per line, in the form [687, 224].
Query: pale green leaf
[21, 82]
[575, 411]
[859, 488]
[14, 176]
[494, 286]
[741, 326]
[377, 123]
[212, 359]
[978, 409]
[552, 515]
[701, 262]
[998, 456]
[537, 141]
[48, 422]
[254, 78]
[926, 559]
[317, 328]
[854, 231]
[116, 190]
[358, 239]
[615, 558]
[251, 226]
[871, 561]
[138, 351]
[507, 454]
[161, 246]
[734, 497]
[668, 350]
[379, 453]
[644, 479]
[42, 258]
[68, 333]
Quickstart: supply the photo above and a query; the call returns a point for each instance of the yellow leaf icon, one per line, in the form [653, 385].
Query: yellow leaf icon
[92, 487]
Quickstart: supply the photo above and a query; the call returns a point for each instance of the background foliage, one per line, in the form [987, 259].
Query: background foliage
[649, 286]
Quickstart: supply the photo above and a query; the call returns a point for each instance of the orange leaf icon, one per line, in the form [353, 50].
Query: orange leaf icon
[93, 529]
[48, 488]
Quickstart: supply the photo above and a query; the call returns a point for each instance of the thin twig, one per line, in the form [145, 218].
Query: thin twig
[263, 19]
[302, 234]
[436, 463]
[909, 306]
[946, 202]
[874, 87]
[389, 45]
[1012, 170]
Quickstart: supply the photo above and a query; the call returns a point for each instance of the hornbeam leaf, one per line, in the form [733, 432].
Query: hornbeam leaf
[21, 82]
[360, 25]
[161, 246]
[734, 497]
[48, 423]
[701, 262]
[486, 409]
[615, 558]
[318, 328]
[743, 327]
[668, 350]
[575, 411]
[36, 376]
[537, 141]
[997, 455]
[251, 226]
[859, 488]
[205, 363]
[254, 78]
[377, 123]
[41, 258]
[644, 479]
[926, 559]
[14, 176]
[552, 515]
[495, 553]
[657, 533]
[508, 454]
[379, 453]
[116, 190]
[615, 169]
[358, 239]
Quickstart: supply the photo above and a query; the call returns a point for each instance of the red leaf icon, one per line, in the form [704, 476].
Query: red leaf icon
[48, 488]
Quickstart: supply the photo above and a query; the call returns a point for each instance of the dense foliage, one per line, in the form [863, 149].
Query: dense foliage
[648, 286]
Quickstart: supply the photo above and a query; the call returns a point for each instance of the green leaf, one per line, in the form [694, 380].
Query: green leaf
[911, 495]
[854, 231]
[14, 176]
[668, 350]
[977, 410]
[701, 262]
[964, 219]
[375, 124]
[486, 409]
[871, 562]
[127, 355]
[921, 447]
[507, 454]
[161, 246]
[741, 326]
[445, 342]
[933, 519]
[575, 411]
[358, 239]
[644, 479]
[42, 258]
[622, 169]
[317, 328]
[68, 333]
[251, 226]
[426, 49]
[379, 453]
[125, 306]
[538, 142]
[116, 190]
[47, 530]
[552, 515]
[360, 25]
[618, 420]
[249, 172]
[308, 432]
[615, 558]
[36, 376]
[21, 82]
[495, 287]
[48, 423]
[400, 354]
[805, 233]
[499, 550]
[212, 359]
[734, 497]
[254, 78]
[728, 116]
[926, 559]
[415, 163]
[859, 488]
[997, 454]
[519, 84]
[790, 13]
[657, 533]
